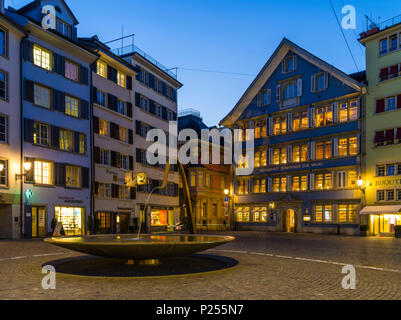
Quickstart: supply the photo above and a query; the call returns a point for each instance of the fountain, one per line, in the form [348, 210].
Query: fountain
[145, 249]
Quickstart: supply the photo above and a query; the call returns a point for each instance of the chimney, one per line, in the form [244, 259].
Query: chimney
[2, 8]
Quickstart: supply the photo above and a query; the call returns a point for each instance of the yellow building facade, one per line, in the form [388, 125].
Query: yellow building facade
[382, 176]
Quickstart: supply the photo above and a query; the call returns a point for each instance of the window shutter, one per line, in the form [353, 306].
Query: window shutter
[312, 150]
[113, 159]
[138, 128]
[58, 64]
[335, 112]
[96, 189]
[313, 84]
[138, 155]
[114, 131]
[399, 101]
[29, 91]
[271, 129]
[129, 109]
[131, 163]
[129, 82]
[94, 67]
[326, 80]
[94, 95]
[380, 106]
[111, 74]
[164, 113]
[74, 33]
[311, 181]
[359, 150]
[312, 115]
[289, 154]
[28, 130]
[289, 121]
[58, 102]
[28, 51]
[335, 147]
[270, 184]
[299, 87]
[55, 137]
[85, 178]
[289, 183]
[130, 136]
[96, 125]
[137, 100]
[278, 93]
[270, 155]
[133, 193]
[259, 99]
[84, 78]
[76, 142]
[30, 175]
[96, 155]
[115, 191]
[84, 110]
[60, 176]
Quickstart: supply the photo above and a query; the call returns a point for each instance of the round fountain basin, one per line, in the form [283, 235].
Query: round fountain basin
[145, 247]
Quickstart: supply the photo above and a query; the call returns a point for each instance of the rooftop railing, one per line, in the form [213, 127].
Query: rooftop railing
[382, 25]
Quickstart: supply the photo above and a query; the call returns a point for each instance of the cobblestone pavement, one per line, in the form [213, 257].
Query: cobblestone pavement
[271, 266]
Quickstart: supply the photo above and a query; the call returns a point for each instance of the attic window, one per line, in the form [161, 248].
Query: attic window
[289, 64]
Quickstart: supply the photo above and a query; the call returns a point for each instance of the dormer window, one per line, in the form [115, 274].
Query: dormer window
[289, 64]
[64, 29]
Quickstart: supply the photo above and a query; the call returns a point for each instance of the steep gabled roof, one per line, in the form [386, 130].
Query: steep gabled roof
[36, 3]
[268, 69]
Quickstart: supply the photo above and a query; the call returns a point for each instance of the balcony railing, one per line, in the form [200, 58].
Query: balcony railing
[134, 49]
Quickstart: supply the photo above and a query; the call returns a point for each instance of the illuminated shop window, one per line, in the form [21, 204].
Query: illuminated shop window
[71, 218]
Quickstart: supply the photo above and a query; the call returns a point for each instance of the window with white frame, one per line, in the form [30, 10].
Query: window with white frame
[64, 28]
[73, 177]
[121, 79]
[124, 163]
[289, 64]
[71, 70]
[42, 96]
[4, 174]
[319, 82]
[42, 57]
[105, 157]
[3, 128]
[41, 134]
[71, 106]
[43, 172]
[3, 85]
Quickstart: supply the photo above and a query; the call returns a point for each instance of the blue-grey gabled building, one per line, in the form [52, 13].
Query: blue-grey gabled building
[308, 118]
[56, 146]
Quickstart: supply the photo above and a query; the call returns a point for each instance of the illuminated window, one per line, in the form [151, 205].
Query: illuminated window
[276, 156]
[327, 150]
[352, 178]
[319, 117]
[82, 145]
[71, 218]
[343, 148]
[296, 154]
[344, 112]
[319, 150]
[353, 111]
[256, 186]
[257, 159]
[323, 214]
[42, 96]
[353, 146]
[283, 184]
[280, 125]
[304, 153]
[71, 71]
[43, 172]
[276, 185]
[243, 214]
[71, 106]
[296, 184]
[102, 69]
[305, 120]
[347, 213]
[193, 179]
[4, 173]
[41, 134]
[103, 128]
[263, 160]
[324, 116]
[300, 183]
[263, 125]
[42, 57]
[283, 157]
[257, 130]
[73, 176]
[121, 79]
[200, 178]
[300, 121]
[304, 183]
[328, 181]
[123, 134]
[66, 138]
[319, 180]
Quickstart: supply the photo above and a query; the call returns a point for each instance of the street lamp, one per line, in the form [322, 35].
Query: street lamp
[226, 192]
[27, 168]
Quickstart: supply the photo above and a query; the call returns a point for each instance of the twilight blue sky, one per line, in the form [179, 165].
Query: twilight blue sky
[232, 36]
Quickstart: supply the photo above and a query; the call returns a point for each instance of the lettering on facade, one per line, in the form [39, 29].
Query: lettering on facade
[392, 182]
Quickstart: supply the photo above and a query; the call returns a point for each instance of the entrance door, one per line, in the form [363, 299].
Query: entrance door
[38, 222]
[124, 223]
[289, 221]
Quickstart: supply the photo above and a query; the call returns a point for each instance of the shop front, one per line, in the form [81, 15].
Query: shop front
[162, 219]
[383, 219]
[72, 218]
